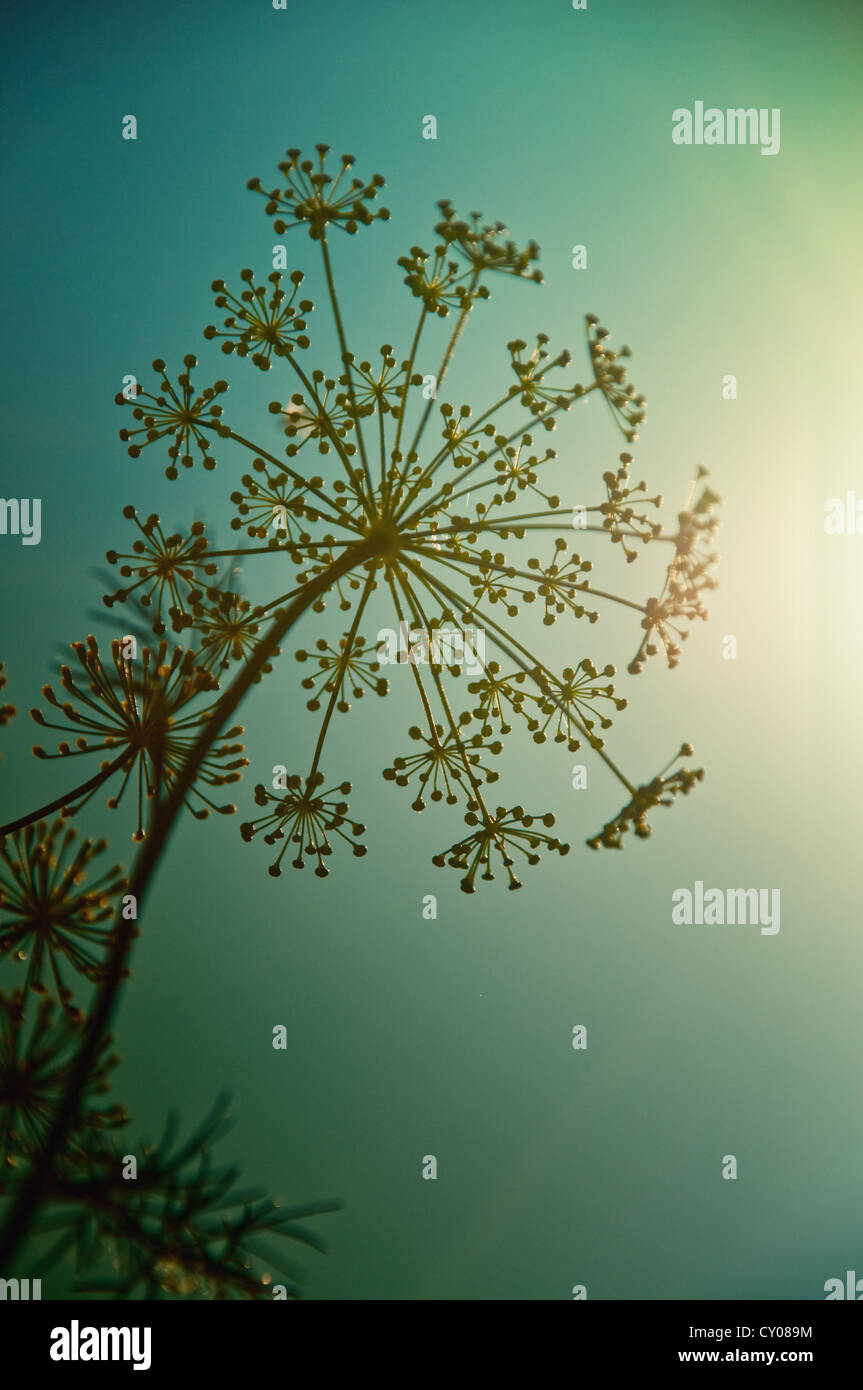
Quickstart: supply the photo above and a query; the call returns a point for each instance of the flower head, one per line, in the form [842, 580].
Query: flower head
[450, 762]
[445, 505]
[259, 326]
[304, 818]
[168, 571]
[661, 791]
[176, 414]
[689, 574]
[52, 910]
[227, 628]
[485, 246]
[316, 199]
[350, 669]
[141, 712]
[609, 372]
[509, 836]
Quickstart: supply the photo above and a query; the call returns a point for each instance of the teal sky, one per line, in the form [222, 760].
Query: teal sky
[452, 1037]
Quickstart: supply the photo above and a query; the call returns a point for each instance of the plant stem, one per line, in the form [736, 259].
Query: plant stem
[536, 672]
[58, 802]
[337, 318]
[295, 477]
[340, 679]
[164, 817]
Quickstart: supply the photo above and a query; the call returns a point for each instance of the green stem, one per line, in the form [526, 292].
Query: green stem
[344, 458]
[340, 680]
[90, 786]
[452, 558]
[164, 817]
[284, 468]
[411, 360]
[328, 270]
[480, 463]
[442, 370]
[537, 672]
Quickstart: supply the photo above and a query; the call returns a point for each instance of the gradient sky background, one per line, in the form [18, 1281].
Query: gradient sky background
[453, 1037]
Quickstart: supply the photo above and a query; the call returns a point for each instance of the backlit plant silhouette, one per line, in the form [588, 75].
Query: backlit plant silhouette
[460, 517]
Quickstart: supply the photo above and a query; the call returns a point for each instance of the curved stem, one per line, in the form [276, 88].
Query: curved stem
[164, 817]
[60, 801]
